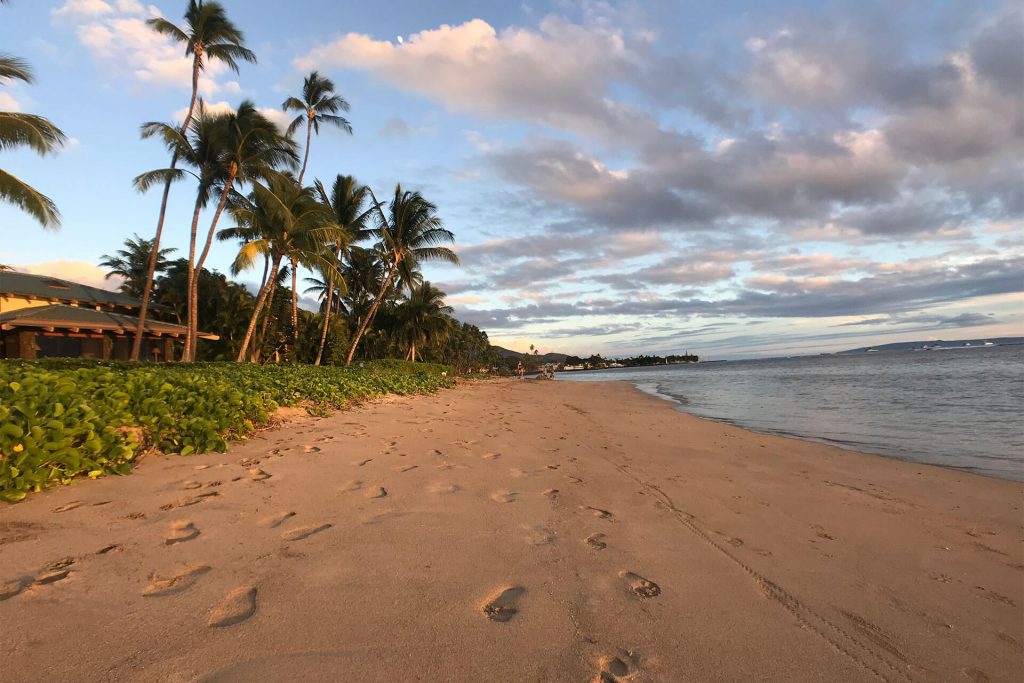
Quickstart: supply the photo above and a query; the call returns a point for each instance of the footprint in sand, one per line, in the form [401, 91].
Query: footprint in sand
[446, 466]
[443, 488]
[574, 480]
[12, 588]
[615, 669]
[491, 456]
[112, 548]
[182, 580]
[304, 532]
[553, 467]
[406, 468]
[236, 607]
[539, 535]
[597, 512]
[182, 502]
[69, 506]
[256, 474]
[596, 541]
[362, 463]
[503, 605]
[181, 531]
[189, 485]
[274, 521]
[202, 467]
[504, 496]
[52, 576]
[310, 449]
[550, 494]
[640, 586]
[377, 492]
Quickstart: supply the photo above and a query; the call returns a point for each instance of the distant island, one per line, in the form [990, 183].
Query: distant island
[937, 345]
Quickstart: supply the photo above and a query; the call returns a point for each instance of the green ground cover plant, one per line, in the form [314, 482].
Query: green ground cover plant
[60, 419]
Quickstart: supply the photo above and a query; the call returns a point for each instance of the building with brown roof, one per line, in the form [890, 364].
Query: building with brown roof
[43, 316]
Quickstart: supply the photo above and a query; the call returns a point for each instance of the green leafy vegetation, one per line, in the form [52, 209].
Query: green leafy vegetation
[65, 418]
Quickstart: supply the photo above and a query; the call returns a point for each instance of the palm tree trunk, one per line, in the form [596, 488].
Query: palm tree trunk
[260, 300]
[327, 311]
[194, 291]
[295, 311]
[305, 158]
[147, 289]
[371, 314]
[266, 318]
[413, 354]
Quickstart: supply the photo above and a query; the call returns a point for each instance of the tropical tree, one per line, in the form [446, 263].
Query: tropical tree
[131, 264]
[317, 104]
[31, 131]
[208, 35]
[202, 149]
[412, 236]
[345, 202]
[423, 318]
[280, 220]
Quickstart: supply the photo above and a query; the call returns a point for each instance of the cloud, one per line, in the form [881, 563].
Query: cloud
[119, 38]
[8, 103]
[82, 272]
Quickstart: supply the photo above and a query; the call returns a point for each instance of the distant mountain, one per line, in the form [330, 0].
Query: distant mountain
[959, 343]
[543, 357]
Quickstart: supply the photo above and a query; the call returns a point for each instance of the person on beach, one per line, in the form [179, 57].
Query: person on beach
[520, 370]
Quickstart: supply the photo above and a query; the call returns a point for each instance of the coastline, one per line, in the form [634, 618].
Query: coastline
[530, 530]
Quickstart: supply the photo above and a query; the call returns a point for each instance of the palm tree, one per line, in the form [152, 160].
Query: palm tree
[208, 34]
[34, 132]
[318, 104]
[132, 262]
[345, 202]
[423, 318]
[202, 149]
[412, 236]
[280, 220]
[253, 149]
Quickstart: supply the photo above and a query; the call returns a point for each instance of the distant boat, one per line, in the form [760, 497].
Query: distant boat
[988, 343]
[871, 351]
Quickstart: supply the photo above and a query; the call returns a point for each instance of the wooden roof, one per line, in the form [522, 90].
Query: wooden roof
[61, 317]
[46, 288]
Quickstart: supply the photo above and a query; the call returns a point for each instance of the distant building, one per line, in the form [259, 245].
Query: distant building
[45, 317]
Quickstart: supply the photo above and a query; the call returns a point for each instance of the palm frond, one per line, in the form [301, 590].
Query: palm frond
[166, 28]
[15, 69]
[29, 130]
[29, 200]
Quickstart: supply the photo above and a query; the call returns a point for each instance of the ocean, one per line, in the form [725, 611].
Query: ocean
[959, 408]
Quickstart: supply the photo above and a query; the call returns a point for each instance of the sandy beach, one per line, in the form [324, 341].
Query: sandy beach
[516, 531]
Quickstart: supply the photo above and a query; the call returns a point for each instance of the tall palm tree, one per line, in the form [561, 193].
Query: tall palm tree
[202, 149]
[317, 104]
[345, 201]
[132, 263]
[412, 235]
[253, 149]
[36, 133]
[280, 220]
[208, 35]
[423, 318]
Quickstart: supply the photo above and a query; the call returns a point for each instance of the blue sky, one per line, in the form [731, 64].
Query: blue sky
[732, 178]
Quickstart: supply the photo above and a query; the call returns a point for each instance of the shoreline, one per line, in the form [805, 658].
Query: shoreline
[507, 530]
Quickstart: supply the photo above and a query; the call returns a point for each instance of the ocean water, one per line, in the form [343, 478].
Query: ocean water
[961, 408]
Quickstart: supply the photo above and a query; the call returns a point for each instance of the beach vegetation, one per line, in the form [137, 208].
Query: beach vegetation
[61, 419]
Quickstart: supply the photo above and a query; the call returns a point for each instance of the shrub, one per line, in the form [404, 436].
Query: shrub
[63, 418]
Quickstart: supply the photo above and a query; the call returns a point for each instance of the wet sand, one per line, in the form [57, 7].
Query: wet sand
[517, 531]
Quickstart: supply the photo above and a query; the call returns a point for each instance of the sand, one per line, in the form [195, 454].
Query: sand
[516, 531]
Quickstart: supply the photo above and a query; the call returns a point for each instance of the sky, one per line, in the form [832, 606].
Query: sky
[733, 179]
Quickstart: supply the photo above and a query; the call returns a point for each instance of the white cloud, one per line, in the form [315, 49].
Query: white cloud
[82, 8]
[8, 103]
[120, 40]
[82, 272]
